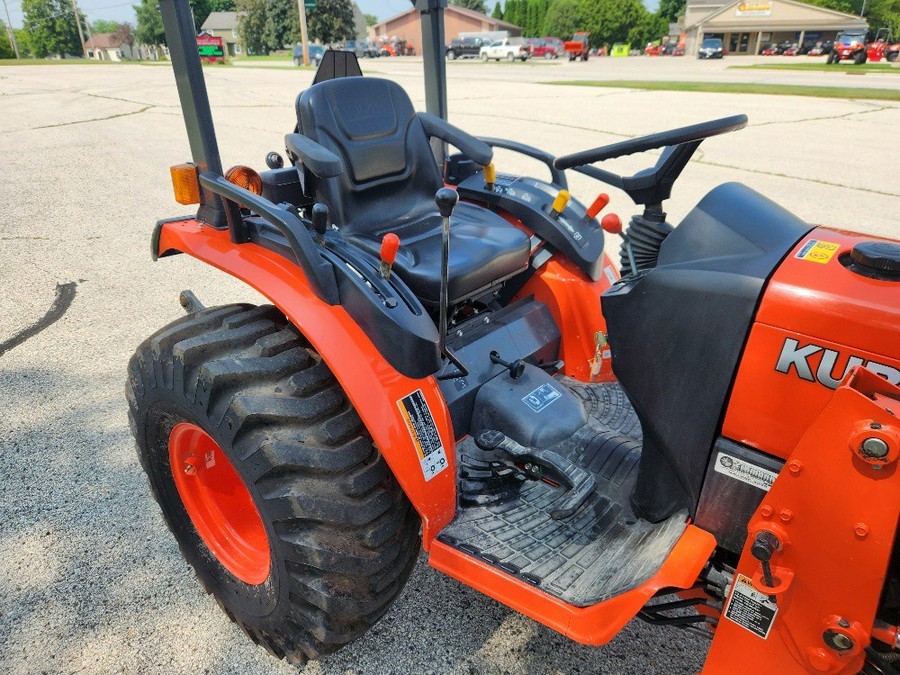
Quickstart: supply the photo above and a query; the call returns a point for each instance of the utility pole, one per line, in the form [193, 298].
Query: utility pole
[9, 28]
[304, 38]
[863, 10]
[80, 34]
[87, 26]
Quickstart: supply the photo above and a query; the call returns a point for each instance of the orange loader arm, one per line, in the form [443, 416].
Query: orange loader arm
[829, 523]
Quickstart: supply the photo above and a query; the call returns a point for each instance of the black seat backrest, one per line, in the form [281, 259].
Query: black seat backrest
[390, 172]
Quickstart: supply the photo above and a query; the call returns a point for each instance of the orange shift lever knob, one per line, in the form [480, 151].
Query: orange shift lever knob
[598, 205]
[611, 223]
[389, 245]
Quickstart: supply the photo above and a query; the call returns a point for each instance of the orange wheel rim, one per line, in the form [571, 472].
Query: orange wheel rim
[219, 504]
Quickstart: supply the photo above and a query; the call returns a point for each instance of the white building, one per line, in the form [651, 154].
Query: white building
[747, 27]
[111, 47]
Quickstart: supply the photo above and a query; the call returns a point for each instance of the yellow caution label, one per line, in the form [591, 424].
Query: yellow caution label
[818, 251]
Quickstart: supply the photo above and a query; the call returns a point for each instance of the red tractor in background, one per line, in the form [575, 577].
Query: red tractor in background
[577, 47]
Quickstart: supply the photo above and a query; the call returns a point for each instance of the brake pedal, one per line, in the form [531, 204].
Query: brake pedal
[578, 483]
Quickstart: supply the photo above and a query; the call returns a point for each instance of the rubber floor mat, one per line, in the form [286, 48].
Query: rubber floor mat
[603, 549]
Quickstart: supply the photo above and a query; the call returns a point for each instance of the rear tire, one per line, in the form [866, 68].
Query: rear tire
[892, 56]
[342, 536]
[860, 58]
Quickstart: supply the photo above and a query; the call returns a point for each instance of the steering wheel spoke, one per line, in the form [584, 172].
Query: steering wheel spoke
[653, 185]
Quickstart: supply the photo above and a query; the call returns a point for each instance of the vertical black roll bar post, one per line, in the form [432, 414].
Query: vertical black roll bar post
[435, 65]
[181, 39]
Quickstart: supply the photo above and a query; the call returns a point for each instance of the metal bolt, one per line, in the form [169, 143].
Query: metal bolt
[861, 530]
[486, 319]
[874, 447]
[875, 425]
[843, 623]
[189, 469]
[767, 511]
[459, 333]
[786, 515]
[795, 466]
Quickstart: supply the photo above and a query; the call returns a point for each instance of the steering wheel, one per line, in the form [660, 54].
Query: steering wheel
[650, 186]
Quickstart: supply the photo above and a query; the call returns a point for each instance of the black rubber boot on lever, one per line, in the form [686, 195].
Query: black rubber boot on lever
[578, 483]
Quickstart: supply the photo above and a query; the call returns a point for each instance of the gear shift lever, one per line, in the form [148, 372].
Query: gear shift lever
[446, 200]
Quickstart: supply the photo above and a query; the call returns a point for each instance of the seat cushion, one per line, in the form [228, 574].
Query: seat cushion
[484, 248]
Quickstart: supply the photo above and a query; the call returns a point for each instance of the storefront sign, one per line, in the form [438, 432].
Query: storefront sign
[210, 47]
[754, 9]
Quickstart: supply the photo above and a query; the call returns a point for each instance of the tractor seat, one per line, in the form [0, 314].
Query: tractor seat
[388, 183]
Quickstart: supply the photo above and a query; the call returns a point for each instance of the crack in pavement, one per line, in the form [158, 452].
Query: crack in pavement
[825, 117]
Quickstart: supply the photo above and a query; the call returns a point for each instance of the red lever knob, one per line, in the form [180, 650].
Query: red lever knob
[598, 205]
[389, 245]
[611, 223]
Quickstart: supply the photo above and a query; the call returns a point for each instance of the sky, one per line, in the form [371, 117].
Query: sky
[119, 10]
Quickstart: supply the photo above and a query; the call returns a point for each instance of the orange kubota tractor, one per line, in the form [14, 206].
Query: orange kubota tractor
[450, 362]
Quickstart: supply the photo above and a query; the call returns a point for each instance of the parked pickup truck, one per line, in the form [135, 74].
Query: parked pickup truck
[508, 48]
[463, 47]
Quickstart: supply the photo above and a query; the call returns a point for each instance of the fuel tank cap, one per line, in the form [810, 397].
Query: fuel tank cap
[879, 259]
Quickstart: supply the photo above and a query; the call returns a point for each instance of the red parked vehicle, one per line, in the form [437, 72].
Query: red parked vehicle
[546, 48]
[883, 47]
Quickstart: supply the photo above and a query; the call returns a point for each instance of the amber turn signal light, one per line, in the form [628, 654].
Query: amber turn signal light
[185, 183]
[245, 177]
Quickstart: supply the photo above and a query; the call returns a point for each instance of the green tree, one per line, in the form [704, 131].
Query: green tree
[104, 26]
[371, 19]
[498, 12]
[282, 23]
[670, 10]
[6, 48]
[477, 5]
[252, 24]
[649, 29]
[562, 19]
[610, 21]
[331, 21]
[879, 13]
[149, 29]
[221, 5]
[23, 40]
[51, 27]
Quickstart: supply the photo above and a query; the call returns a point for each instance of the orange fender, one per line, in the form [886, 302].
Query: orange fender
[373, 386]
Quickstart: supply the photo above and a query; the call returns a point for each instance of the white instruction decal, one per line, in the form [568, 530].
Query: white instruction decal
[541, 397]
[424, 433]
[745, 472]
[750, 609]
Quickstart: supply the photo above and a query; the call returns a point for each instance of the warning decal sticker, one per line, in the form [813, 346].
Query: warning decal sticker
[817, 251]
[424, 433]
[745, 472]
[750, 609]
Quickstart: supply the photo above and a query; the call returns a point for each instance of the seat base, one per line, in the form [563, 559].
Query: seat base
[484, 250]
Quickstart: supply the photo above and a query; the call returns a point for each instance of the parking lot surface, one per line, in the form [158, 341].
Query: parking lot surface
[90, 579]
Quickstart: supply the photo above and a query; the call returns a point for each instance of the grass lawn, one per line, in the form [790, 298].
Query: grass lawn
[62, 62]
[880, 68]
[743, 88]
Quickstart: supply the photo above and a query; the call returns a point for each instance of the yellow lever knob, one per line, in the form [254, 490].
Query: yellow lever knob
[490, 174]
[559, 204]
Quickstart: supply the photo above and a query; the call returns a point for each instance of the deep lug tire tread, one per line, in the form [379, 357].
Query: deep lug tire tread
[344, 535]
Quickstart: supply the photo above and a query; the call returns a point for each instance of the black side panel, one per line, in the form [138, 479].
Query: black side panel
[737, 479]
[677, 333]
[523, 330]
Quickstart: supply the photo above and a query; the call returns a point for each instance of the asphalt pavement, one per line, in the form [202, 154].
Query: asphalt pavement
[90, 579]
